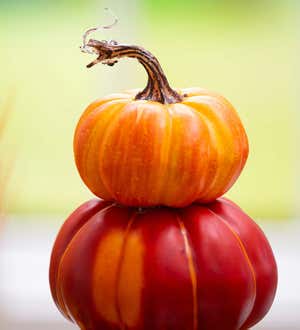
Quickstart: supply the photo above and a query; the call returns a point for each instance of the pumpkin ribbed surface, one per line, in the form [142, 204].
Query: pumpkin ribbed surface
[144, 153]
[196, 268]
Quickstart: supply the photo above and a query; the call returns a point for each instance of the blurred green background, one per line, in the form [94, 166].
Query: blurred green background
[245, 50]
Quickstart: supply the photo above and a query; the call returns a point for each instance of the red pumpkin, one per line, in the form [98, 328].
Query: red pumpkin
[158, 146]
[201, 267]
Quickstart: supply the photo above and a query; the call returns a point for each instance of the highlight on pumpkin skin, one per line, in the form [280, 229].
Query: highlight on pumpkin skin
[214, 259]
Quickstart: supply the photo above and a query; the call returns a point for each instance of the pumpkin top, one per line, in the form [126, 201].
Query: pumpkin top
[157, 89]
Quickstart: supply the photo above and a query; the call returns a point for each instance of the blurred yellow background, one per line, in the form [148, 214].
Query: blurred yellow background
[247, 51]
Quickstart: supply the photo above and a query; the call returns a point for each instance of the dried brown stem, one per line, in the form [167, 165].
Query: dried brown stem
[157, 89]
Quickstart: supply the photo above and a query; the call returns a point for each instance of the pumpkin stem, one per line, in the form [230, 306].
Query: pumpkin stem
[157, 89]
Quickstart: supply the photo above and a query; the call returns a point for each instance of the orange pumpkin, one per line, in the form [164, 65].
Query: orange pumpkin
[158, 146]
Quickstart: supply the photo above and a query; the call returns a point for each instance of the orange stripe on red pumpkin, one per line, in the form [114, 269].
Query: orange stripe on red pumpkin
[105, 275]
[118, 276]
[130, 278]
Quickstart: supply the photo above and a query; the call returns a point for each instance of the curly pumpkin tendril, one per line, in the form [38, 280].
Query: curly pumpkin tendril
[157, 89]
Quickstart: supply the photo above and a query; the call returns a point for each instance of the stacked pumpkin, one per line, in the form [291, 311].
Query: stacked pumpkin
[160, 249]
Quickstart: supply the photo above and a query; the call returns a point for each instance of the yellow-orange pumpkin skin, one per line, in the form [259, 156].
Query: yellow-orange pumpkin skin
[145, 153]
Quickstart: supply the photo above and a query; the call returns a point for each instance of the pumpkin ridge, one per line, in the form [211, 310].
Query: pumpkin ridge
[91, 111]
[244, 251]
[139, 111]
[165, 171]
[90, 143]
[101, 145]
[213, 163]
[192, 268]
[216, 124]
[234, 207]
[104, 101]
[197, 116]
[119, 268]
[60, 295]
[125, 157]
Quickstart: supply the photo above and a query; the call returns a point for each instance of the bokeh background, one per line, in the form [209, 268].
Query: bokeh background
[246, 50]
